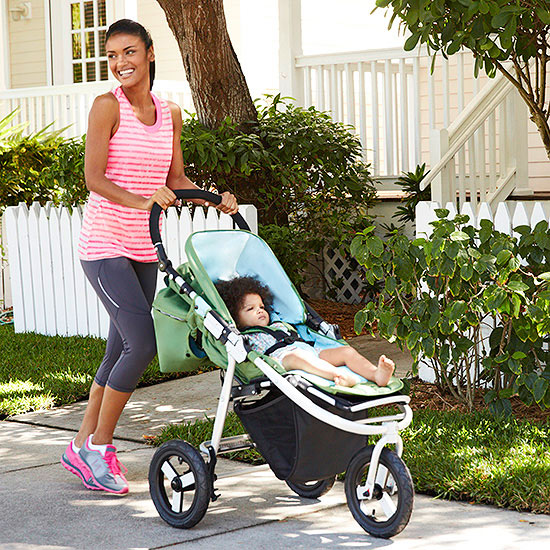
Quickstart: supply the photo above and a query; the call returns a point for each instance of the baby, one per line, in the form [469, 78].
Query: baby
[249, 303]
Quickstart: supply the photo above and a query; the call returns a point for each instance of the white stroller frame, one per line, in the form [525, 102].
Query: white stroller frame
[388, 427]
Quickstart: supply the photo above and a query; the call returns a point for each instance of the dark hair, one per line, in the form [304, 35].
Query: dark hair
[234, 291]
[127, 26]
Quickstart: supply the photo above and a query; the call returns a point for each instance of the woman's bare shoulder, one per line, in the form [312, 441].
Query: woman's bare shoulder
[105, 110]
[106, 102]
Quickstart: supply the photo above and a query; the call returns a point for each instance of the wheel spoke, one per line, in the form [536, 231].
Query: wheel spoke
[362, 492]
[177, 499]
[168, 470]
[381, 475]
[187, 480]
[388, 506]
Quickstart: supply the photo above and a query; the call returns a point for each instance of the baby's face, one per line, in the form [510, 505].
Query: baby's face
[252, 312]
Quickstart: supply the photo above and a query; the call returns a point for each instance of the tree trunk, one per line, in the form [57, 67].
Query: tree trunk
[213, 71]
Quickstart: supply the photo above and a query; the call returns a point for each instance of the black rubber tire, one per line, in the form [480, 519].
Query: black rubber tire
[312, 489]
[402, 499]
[182, 458]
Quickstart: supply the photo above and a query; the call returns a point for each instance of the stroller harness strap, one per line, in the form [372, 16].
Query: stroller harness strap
[282, 337]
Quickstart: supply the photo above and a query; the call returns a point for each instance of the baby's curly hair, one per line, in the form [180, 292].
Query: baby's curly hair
[234, 291]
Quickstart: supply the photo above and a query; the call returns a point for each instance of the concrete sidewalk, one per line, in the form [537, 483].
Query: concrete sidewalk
[45, 507]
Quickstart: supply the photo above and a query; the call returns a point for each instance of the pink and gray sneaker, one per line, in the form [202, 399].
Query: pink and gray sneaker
[104, 467]
[72, 462]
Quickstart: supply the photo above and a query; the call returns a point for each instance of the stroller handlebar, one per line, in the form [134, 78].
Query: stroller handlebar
[187, 194]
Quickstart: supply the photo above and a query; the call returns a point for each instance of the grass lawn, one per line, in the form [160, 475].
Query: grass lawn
[40, 372]
[450, 455]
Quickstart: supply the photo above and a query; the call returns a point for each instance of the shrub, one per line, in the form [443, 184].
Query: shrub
[301, 169]
[470, 302]
[39, 167]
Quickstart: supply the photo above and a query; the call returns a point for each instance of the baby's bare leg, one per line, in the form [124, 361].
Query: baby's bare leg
[351, 358]
[309, 362]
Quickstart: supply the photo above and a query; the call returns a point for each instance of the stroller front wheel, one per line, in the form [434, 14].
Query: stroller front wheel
[179, 484]
[312, 489]
[389, 509]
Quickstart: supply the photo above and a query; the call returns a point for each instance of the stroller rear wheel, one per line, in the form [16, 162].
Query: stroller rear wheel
[389, 510]
[312, 489]
[179, 484]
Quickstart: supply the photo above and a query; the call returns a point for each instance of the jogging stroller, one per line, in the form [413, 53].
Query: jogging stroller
[307, 429]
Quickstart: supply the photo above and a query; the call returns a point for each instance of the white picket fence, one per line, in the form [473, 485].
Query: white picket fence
[49, 290]
[505, 217]
[5, 290]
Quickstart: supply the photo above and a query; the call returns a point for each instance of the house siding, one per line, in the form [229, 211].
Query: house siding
[27, 44]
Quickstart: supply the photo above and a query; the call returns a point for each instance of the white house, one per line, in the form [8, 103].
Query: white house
[474, 134]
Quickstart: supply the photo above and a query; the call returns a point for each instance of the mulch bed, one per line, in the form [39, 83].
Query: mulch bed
[423, 395]
[338, 314]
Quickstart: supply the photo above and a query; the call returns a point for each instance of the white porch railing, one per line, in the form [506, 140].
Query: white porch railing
[482, 155]
[70, 104]
[49, 290]
[391, 97]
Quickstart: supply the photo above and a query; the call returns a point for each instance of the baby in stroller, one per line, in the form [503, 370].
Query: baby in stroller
[250, 304]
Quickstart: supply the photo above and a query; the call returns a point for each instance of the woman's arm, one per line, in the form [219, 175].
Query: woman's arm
[176, 176]
[102, 122]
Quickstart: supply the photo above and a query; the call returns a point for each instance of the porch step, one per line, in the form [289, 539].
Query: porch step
[526, 195]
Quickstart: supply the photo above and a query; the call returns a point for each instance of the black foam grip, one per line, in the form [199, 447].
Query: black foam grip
[187, 194]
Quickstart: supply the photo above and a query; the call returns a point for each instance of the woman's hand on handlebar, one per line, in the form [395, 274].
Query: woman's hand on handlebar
[163, 196]
[229, 203]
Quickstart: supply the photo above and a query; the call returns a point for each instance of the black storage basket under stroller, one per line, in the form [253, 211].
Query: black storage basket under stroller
[297, 446]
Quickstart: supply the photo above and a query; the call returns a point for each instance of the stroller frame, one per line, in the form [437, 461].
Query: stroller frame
[381, 478]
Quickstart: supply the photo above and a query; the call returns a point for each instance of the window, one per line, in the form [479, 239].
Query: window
[88, 28]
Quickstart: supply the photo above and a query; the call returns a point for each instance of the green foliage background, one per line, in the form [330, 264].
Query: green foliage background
[473, 303]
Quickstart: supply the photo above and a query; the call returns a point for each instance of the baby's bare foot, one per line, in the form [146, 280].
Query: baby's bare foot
[384, 371]
[346, 379]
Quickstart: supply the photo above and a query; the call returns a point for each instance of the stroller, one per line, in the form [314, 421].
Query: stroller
[296, 420]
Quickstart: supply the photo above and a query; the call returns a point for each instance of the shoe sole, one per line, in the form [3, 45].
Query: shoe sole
[74, 470]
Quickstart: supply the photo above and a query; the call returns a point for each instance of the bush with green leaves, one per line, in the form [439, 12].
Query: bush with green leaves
[302, 170]
[410, 182]
[472, 303]
[39, 167]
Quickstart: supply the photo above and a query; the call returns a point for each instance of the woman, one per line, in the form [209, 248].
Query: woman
[133, 160]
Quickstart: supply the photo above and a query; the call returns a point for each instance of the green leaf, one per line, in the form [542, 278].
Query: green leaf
[515, 366]
[359, 321]
[503, 256]
[411, 42]
[390, 285]
[441, 213]
[412, 339]
[543, 14]
[459, 236]
[375, 246]
[458, 309]
[466, 271]
[519, 355]
[501, 408]
[517, 286]
[428, 345]
[539, 389]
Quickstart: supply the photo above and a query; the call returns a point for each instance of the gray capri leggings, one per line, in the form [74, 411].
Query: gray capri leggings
[126, 288]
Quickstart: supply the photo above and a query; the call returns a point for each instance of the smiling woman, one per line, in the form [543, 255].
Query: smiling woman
[133, 159]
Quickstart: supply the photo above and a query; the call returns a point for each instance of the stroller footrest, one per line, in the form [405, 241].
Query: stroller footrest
[234, 443]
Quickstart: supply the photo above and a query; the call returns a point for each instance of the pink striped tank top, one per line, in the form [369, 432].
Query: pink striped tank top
[139, 160]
